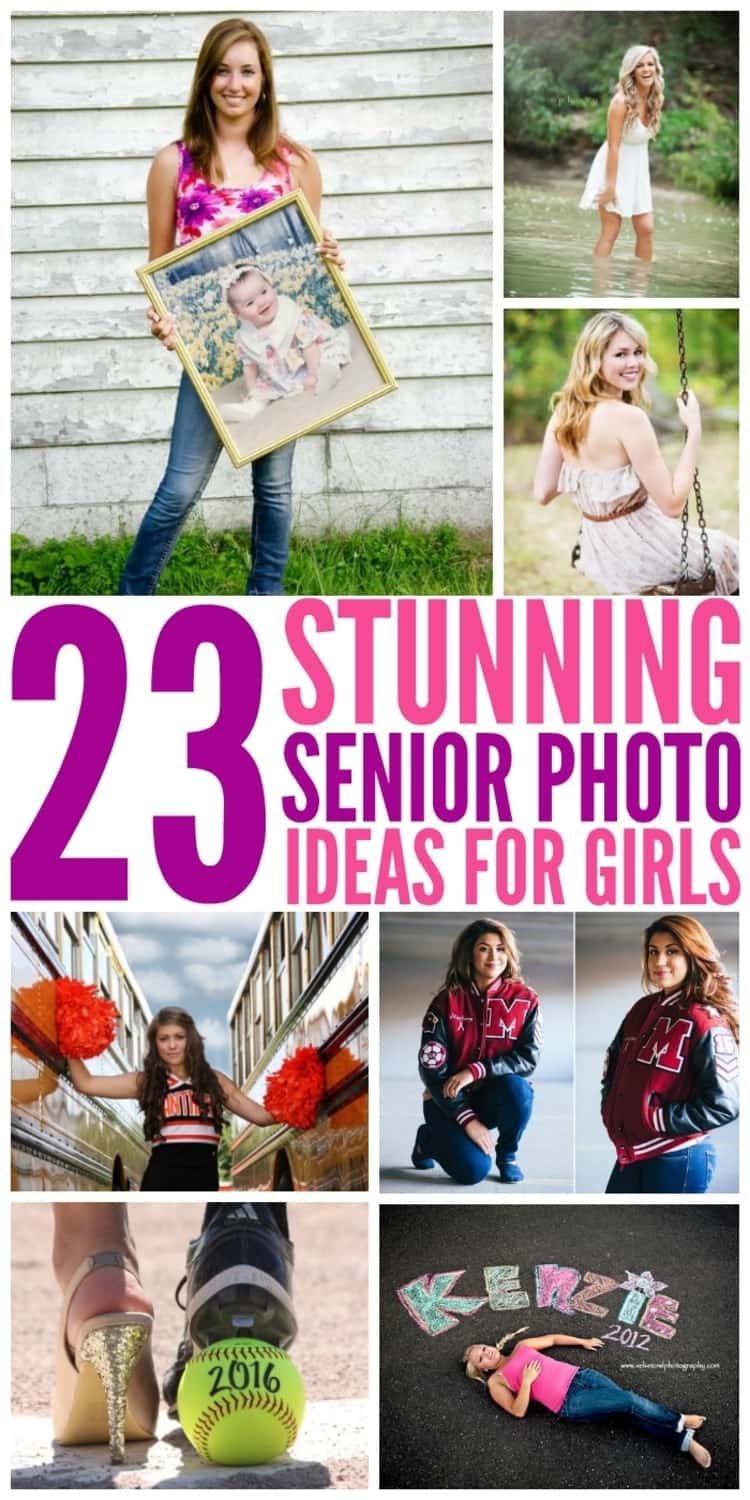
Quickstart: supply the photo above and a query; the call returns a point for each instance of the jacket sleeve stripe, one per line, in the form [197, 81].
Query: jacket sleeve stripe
[464, 1117]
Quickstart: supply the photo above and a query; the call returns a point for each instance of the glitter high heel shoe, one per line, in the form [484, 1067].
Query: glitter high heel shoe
[106, 1387]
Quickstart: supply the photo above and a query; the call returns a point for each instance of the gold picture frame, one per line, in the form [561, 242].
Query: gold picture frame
[300, 358]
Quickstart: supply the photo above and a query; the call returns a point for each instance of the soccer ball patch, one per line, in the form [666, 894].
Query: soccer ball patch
[433, 1055]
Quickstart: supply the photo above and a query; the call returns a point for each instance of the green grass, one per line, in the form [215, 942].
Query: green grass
[387, 560]
[539, 538]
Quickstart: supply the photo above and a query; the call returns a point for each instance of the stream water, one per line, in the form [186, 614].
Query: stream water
[549, 240]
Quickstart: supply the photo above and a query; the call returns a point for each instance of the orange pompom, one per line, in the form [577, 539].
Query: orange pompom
[86, 1022]
[293, 1094]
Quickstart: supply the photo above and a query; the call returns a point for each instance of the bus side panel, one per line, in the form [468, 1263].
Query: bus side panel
[60, 1139]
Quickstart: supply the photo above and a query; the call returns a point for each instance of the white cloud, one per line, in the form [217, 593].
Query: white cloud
[160, 986]
[213, 1033]
[239, 925]
[214, 979]
[216, 950]
[139, 949]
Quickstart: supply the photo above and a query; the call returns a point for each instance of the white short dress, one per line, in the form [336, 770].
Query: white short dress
[627, 553]
[633, 186]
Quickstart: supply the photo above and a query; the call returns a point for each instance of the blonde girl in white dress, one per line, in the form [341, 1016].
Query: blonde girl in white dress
[618, 184]
[601, 448]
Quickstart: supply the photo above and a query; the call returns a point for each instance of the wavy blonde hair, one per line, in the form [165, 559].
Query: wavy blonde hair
[473, 1371]
[585, 385]
[707, 981]
[627, 83]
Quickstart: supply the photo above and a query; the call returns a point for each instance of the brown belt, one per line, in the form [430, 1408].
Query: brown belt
[625, 508]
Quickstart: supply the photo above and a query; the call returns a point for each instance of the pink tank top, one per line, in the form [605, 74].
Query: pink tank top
[203, 206]
[551, 1386]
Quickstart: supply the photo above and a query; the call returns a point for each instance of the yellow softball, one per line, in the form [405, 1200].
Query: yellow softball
[241, 1401]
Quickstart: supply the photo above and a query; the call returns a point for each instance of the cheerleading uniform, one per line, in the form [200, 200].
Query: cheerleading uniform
[184, 1153]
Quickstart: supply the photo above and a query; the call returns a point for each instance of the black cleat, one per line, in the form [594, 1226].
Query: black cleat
[238, 1283]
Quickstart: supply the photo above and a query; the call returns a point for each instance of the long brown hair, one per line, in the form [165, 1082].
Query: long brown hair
[199, 132]
[153, 1078]
[459, 971]
[707, 981]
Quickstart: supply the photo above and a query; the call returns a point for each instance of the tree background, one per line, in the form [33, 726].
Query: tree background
[561, 70]
[538, 345]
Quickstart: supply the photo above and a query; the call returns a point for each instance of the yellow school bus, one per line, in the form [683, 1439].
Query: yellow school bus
[305, 984]
[60, 1139]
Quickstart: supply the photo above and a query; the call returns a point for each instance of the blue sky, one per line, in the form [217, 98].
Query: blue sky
[191, 959]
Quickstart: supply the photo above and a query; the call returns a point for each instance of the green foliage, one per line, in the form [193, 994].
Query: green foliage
[698, 149]
[382, 560]
[583, 48]
[224, 1154]
[561, 69]
[539, 344]
[72, 566]
[532, 120]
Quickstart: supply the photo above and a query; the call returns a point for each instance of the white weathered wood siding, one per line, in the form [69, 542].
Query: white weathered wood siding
[397, 106]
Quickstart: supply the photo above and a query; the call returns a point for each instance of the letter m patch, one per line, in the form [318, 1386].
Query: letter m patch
[665, 1047]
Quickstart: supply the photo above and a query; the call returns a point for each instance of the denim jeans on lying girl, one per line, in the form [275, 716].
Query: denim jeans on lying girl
[592, 1396]
[686, 1171]
[193, 452]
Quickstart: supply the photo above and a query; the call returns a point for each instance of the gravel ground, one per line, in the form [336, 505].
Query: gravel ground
[330, 1294]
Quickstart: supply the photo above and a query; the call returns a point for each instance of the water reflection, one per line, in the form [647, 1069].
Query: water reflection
[549, 243]
[605, 278]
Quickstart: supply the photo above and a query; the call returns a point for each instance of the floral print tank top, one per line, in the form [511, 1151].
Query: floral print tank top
[203, 206]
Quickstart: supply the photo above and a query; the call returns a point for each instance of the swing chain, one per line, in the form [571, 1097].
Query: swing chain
[707, 562]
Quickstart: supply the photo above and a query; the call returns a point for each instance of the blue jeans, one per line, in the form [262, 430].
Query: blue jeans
[503, 1104]
[686, 1171]
[193, 452]
[593, 1397]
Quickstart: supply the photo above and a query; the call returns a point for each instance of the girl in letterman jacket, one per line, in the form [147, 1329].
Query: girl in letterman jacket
[480, 1042]
[671, 1074]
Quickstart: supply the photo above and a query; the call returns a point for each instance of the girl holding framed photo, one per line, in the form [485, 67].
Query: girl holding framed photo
[233, 159]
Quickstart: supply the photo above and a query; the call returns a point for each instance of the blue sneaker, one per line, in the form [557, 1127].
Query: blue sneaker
[420, 1157]
[238, 1282]
[509, 1169]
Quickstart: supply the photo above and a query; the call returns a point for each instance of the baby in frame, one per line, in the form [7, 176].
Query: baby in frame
[261, 319]
[284, 348]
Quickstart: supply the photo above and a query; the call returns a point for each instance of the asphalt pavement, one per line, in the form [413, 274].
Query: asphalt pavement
[442, 1431]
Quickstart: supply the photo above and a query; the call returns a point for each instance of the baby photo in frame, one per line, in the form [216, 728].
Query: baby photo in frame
[268, 331]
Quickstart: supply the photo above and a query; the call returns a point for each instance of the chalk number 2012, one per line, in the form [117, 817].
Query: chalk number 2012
[39, 865]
